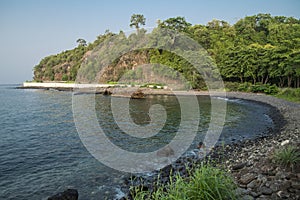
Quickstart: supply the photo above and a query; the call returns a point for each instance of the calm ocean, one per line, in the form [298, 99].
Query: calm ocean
[41, 153]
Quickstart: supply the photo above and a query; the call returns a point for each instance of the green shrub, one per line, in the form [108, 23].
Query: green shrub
[288, 156]
[232, 86]
[206, 183]
[65, 77]
[256, 88]
[271, 89]
[244, 87]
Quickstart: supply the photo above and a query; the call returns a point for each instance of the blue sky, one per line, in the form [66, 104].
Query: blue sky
[33, 29]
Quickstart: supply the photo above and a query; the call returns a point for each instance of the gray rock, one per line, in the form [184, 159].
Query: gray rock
[247, 178]
[282, 194]
[239, 166]
[241, 191]
[253, 184]
[247, 197]
[274, 187]
[254, 194]
[266, 191]
[296, 185]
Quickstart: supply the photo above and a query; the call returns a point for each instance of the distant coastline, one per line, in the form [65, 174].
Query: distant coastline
[114, 89]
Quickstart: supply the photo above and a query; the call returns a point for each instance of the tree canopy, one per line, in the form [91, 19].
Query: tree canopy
[137, 20]
[258, 49]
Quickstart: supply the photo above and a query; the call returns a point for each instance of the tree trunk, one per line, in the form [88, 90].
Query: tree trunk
[281, 82]
[289, 81]
[267, 79]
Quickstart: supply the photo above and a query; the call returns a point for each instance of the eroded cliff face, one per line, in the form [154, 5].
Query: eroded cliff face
[67, 70]
[127, 62]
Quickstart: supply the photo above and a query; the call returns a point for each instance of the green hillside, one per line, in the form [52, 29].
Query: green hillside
[259, 49]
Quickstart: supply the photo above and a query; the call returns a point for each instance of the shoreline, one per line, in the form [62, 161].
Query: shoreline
[249, 162]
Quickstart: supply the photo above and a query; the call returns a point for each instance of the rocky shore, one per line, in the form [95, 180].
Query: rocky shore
[250, 162]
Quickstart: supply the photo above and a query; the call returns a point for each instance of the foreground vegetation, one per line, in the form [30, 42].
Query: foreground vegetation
[206, 183]
[288, 156]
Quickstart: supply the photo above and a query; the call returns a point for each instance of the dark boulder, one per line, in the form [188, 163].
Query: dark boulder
[138, 95]
[107, 92]
[69, 194]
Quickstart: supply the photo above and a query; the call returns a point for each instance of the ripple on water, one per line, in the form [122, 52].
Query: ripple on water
[41, 153]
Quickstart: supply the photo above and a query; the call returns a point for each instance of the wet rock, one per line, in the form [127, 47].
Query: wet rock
[69, 194]
[107, 92]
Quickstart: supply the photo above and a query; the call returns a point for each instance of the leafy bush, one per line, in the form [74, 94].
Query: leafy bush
[271, 89]
[232, 86]
[258, 88]
[65, 77]
[207, 183]
[248, 87]
[244, 87]
[288, 156]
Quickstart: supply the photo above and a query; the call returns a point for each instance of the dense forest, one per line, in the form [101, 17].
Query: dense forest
[259, 49]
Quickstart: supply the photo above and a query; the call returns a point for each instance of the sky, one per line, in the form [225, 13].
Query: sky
[33, 29]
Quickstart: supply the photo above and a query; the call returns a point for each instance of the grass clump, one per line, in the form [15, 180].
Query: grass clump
[288, 156]
[205, 183]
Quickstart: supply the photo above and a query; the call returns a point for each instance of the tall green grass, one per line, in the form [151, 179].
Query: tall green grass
[205, 183]
[288, 156]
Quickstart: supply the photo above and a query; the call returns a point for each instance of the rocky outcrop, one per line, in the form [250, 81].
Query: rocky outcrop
[137, 95]
[128, 61]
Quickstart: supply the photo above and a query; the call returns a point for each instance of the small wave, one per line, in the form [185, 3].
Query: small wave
[268, 118]
[119, 193]
[228, 99]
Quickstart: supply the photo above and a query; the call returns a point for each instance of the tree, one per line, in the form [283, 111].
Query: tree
[177, 24]
[137, 20]
[81, 42]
